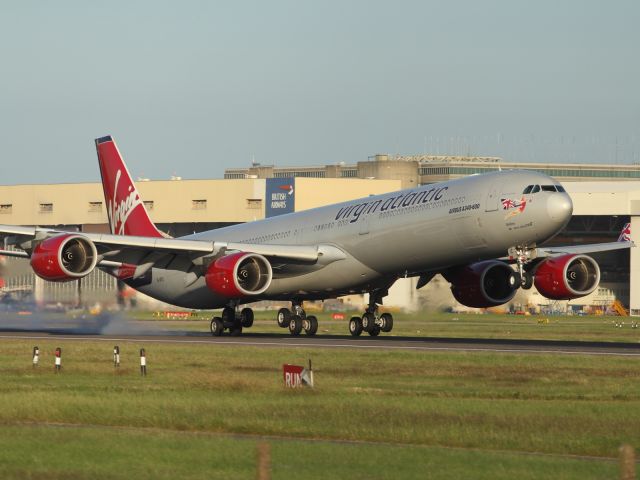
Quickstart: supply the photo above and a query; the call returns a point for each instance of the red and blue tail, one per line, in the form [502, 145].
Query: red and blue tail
[625, 234]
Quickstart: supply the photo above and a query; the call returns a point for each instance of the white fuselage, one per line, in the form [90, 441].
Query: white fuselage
[409, 232]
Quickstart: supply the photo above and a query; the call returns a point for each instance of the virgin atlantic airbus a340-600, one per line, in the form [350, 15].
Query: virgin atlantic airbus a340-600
[483, 233]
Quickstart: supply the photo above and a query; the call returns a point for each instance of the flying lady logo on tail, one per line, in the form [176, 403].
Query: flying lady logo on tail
[120, 211]
[125, 208]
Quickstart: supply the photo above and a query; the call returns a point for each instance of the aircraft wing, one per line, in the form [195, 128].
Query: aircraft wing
[114, 250]
[581, 249]
[624, 241]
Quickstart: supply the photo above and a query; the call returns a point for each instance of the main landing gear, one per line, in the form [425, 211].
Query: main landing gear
[371, 322]
[296, 320]
[233, 319]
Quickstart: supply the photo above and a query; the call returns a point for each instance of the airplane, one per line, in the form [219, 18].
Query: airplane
[473, 231]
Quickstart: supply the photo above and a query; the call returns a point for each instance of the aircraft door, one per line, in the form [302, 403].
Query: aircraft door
[364, 226]
[491, 202]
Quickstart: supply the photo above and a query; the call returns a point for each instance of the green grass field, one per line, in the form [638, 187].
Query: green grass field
[373, 414]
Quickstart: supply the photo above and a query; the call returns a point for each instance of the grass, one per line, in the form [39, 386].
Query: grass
[201, 409]
[93, 452]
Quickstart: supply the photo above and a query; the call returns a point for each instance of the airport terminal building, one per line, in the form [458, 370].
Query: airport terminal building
[605, 198]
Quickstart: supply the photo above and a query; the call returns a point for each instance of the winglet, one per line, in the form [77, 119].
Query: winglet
[125, 209]
[625, 234]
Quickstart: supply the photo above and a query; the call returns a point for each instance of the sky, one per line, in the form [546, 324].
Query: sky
[191, 88]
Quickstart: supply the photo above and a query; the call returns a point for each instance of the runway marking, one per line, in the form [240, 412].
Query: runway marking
[462, 347]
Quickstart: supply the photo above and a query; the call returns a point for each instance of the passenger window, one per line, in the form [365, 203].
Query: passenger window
[548, 188]
[528, 189]
[560, 188]
[536, 189]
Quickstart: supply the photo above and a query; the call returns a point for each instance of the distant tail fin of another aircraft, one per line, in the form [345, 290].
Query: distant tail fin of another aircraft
[126, 211]
[625, 234]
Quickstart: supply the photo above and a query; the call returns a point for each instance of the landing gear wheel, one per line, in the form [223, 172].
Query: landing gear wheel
[528, 281]
[355, 326]
[295, 325]
[310, 325]
[236, 329]
[375, 331]
[216, 326]
[284, 315]
[387, 322]
[246, 317]
[368, 321]
[228, 315]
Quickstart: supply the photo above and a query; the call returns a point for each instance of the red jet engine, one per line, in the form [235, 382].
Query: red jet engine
[483, 284]
[239, 274]
[567, 277]
[64, 258]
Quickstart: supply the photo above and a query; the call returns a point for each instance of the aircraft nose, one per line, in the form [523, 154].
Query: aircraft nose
[559, 207]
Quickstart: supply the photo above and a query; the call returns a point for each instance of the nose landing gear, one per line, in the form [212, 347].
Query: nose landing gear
[523, 256]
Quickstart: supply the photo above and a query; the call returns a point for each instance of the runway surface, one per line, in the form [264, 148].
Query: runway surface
[347, 342]
[115, 328]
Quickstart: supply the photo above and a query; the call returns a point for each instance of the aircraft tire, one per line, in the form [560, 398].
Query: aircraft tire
[514, 281]
[236, 329]
[283, 318]
[528, 281]
[387, 322]
[368, 321]
[355, 326]
[375, 331]
[295, 325]
[216, 326]
[310, 325]
[246, 316]
[228, 315]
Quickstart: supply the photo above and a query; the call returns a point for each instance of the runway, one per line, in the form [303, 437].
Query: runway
[116, 328]
[427, 344]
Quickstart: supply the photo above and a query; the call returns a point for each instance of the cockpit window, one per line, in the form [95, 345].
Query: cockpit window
[536, 189]
[548, 188]
[528, 189]
[560, 188]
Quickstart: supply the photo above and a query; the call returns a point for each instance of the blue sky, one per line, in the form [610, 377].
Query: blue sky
[194, 87]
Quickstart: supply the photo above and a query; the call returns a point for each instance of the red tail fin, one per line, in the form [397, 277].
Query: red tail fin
[625, 234]
[127, 215]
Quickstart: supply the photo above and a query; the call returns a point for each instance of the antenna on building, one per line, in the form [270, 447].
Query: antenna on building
[253, 161]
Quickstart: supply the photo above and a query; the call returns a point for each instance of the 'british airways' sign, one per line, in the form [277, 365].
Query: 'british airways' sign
[280, 197]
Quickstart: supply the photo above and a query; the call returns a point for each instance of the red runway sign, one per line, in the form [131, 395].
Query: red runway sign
[296, 376]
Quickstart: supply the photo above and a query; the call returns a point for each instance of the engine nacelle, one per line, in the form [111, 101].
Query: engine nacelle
[64, 258]
[567, 277]
[483, 284]
[239, 274]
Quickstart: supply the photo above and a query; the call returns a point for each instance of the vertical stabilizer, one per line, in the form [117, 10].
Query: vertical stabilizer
[127, 215]
[625, 234]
